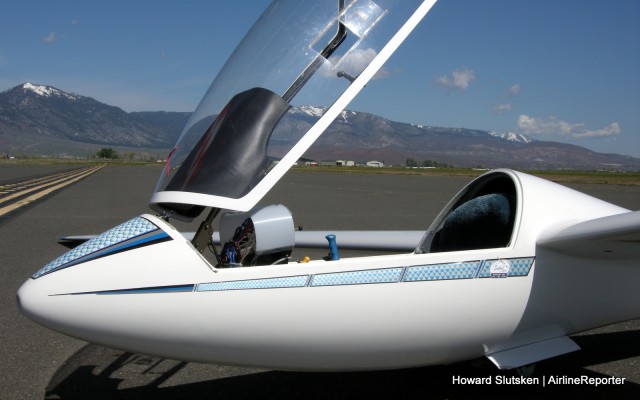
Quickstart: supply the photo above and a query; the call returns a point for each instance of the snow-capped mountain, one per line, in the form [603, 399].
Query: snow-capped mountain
[512, 136]
[49, 91]
[361, 136]
[32, 115]
[40, 119]
[308, 111]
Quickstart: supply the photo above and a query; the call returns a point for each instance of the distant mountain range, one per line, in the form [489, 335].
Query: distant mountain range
[42, 120]
[39, 119]
[362, 136]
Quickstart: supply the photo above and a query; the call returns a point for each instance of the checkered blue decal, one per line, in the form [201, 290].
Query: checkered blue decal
[132, 234]
[437, 272]
[518, 267]
[269, 283]
[433, 272]
[386, 275]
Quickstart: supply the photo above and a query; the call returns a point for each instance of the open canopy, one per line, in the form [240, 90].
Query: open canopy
[292, 74]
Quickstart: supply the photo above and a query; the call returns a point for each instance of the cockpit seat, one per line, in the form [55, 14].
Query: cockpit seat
[481, 223]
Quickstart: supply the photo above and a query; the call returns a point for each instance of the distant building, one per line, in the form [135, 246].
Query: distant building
[375, 164]
[345, 163]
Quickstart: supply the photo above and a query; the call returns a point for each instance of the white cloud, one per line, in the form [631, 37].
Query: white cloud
[514, 90]
[459, 80]
[554, 126]
[613, 129]
[50, 38]
[353, 63]
[502, 108]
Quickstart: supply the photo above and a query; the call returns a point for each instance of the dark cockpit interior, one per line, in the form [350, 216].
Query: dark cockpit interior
[482, 218]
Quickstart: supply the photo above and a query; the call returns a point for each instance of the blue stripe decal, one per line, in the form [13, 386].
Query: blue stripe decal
[132, 234]
[386, 275]
[436, 272]
[146, 290]
[136, 243]
[158, 289]
[267, 283]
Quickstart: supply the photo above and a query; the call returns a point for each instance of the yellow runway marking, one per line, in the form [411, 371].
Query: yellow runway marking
[22, 188]
[45, 189]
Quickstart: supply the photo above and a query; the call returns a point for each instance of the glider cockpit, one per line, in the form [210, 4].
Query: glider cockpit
[481, 216]
[247, 131]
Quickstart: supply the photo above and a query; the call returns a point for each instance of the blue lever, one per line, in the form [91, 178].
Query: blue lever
[333, 247]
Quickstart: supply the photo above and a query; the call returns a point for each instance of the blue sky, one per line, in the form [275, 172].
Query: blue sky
[555, 70]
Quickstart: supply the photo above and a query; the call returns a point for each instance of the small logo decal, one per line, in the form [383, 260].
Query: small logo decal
[500, 269]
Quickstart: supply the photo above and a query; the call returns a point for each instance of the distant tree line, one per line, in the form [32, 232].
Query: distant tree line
[108, 152]
[413, 163]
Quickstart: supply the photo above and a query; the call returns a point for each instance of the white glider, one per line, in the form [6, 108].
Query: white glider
[512, 266]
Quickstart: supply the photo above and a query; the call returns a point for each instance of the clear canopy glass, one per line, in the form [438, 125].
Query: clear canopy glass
[297, 60]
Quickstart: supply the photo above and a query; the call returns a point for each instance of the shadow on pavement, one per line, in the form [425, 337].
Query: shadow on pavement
[101, 373]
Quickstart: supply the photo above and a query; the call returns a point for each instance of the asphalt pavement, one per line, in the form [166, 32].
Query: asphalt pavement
[37, 363]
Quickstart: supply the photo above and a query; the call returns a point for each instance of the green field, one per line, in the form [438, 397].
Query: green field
[587, 177]
[592, 177]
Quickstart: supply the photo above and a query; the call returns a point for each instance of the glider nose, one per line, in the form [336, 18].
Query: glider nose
[47, 297]
[32, 301]
[41, 301]
[24, 298]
